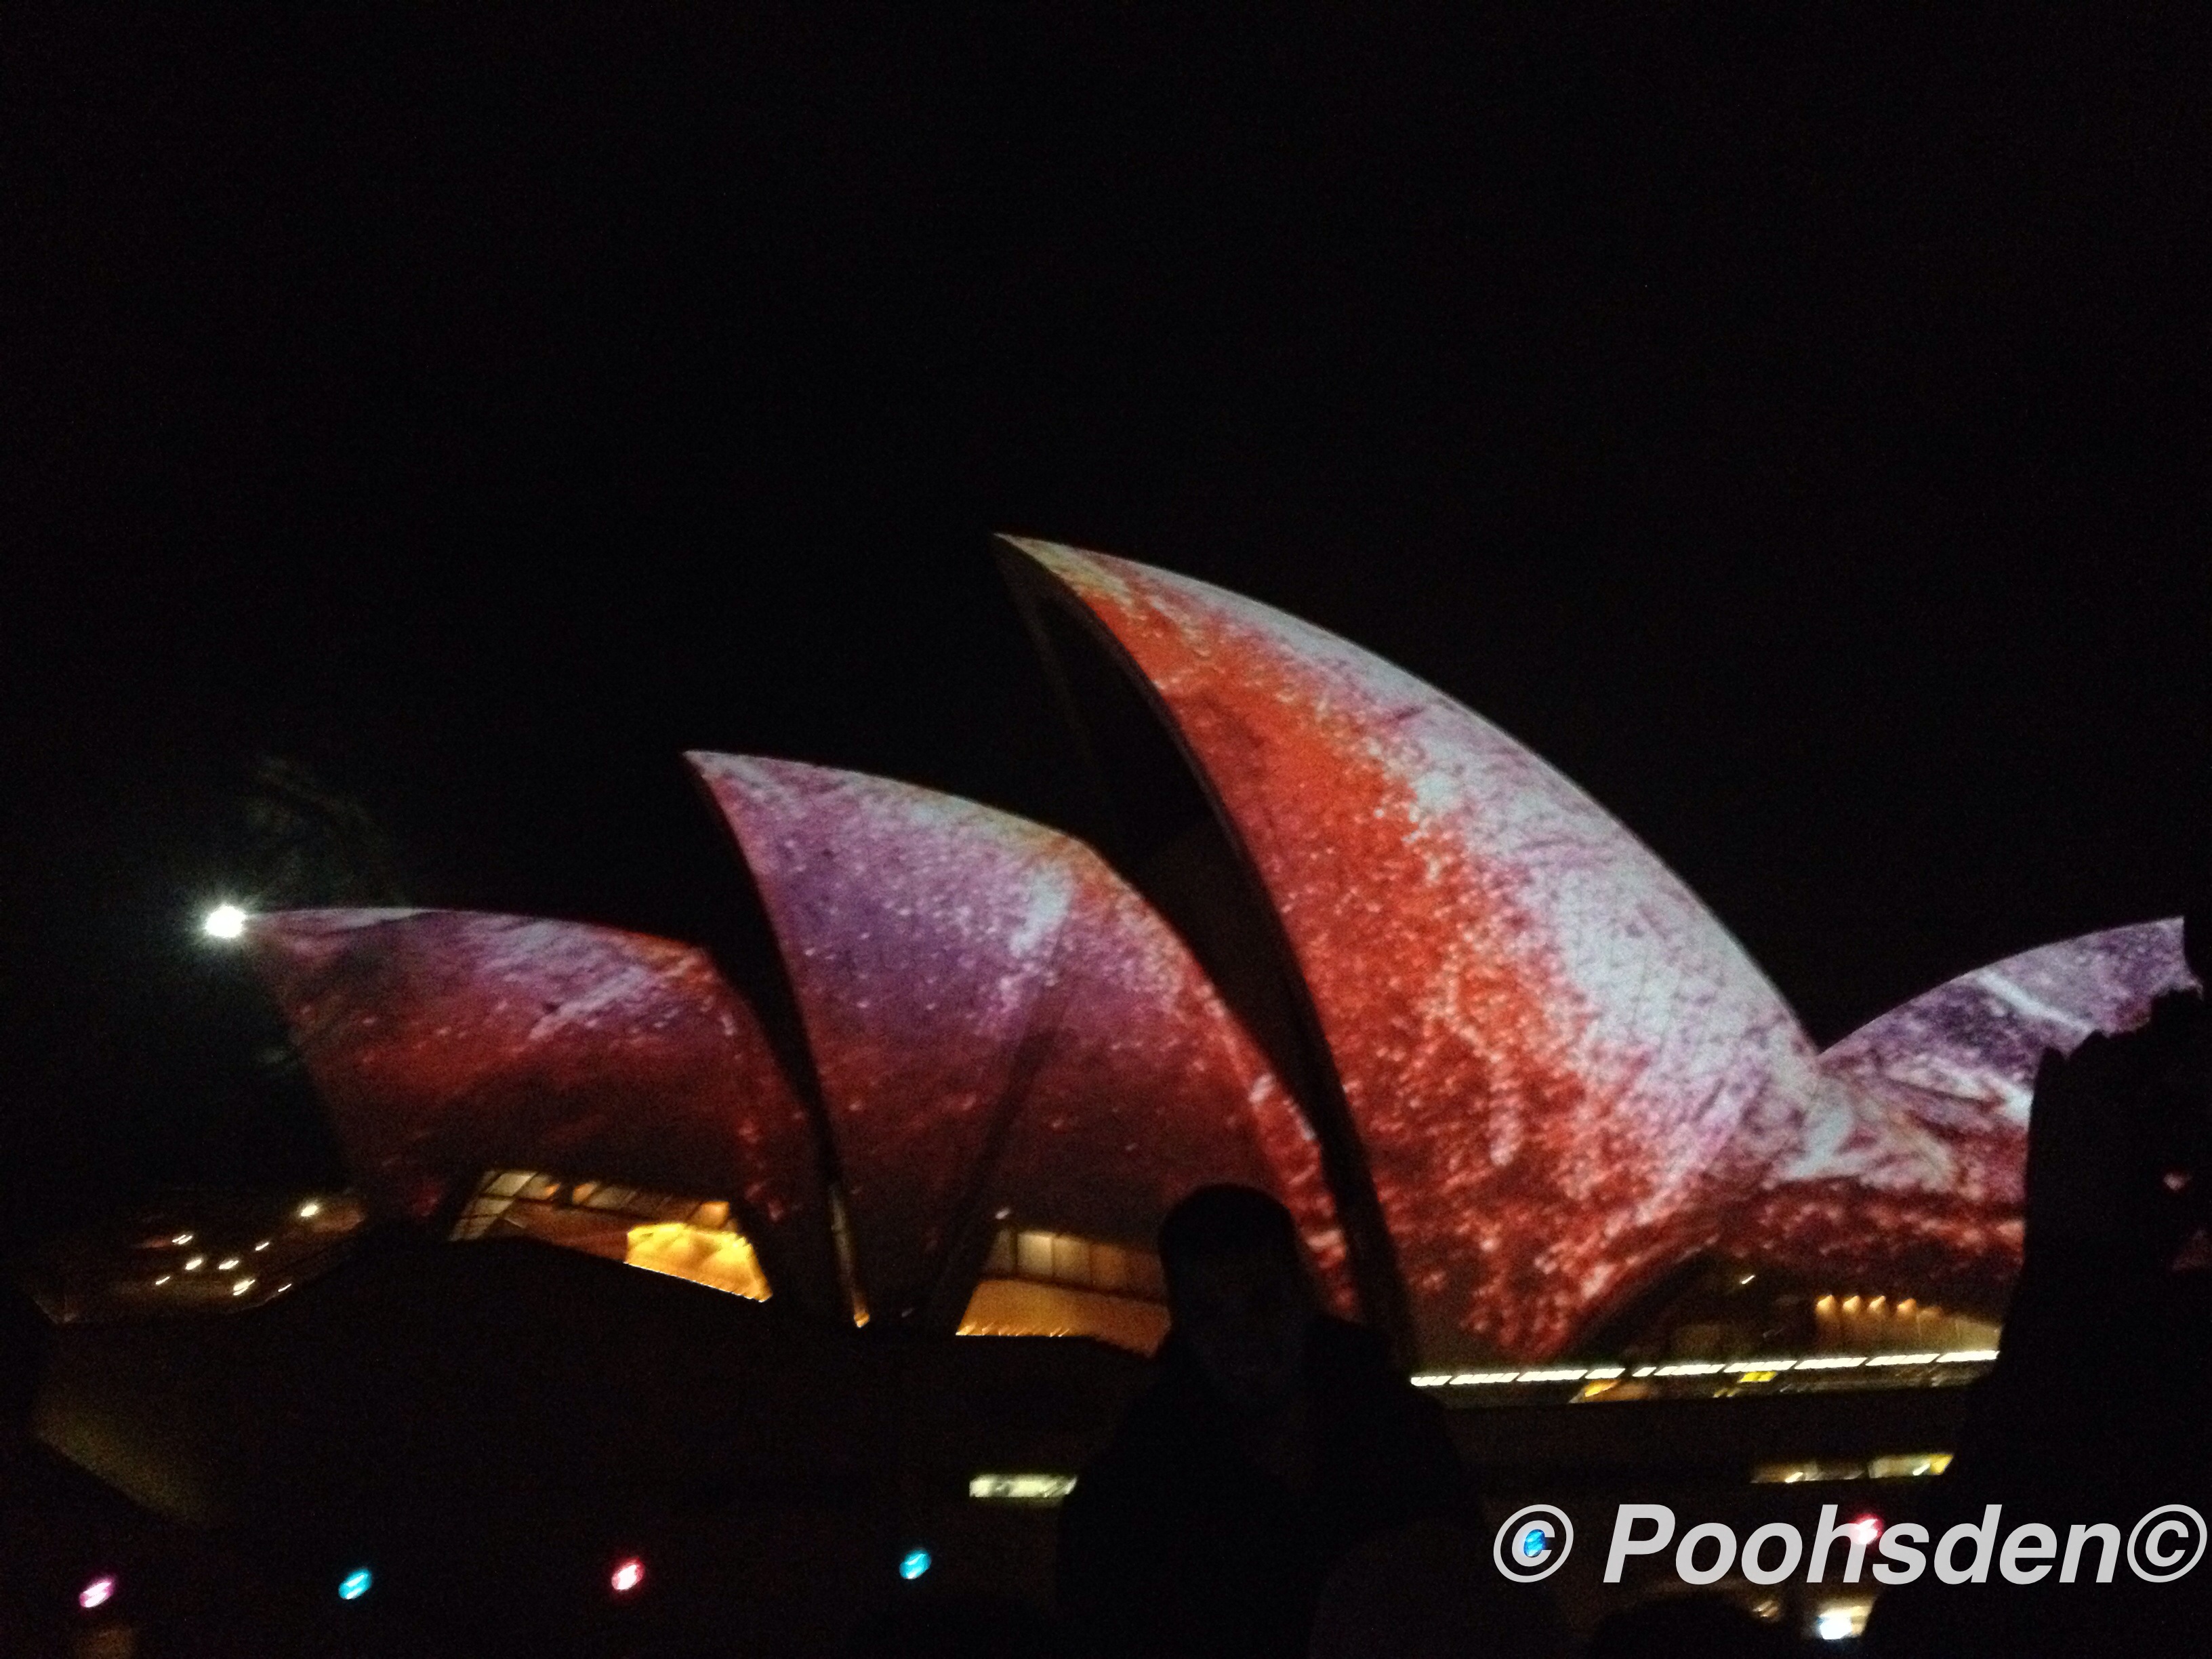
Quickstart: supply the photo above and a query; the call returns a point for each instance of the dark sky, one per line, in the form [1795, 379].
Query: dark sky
[1793, 424]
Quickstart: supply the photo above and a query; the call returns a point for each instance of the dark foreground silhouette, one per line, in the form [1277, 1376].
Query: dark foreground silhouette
[1277, 1446]
[2099, 1409]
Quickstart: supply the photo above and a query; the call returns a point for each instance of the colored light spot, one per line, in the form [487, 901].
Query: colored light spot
[626, 1576]
[98, 1593]
[355, 1585]
[913, 1564]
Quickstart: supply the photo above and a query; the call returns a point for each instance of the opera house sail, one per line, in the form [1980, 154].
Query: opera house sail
[1009, 1037]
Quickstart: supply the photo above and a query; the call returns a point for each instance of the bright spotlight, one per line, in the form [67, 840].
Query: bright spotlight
[98, 1593]
[225, 921]
[626, 1576]
[1835, 1625]
[913, 1564]
[355, 1585]
[310, 1209]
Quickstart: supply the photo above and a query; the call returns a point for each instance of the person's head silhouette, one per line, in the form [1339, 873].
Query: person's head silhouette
[1238, 1292]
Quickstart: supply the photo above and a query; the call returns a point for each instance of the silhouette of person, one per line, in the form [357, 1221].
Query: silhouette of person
[1273, 1442]
[2100, 1407]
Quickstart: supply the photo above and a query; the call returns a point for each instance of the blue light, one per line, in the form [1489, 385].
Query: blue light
[913, 1564]
[355, 1585]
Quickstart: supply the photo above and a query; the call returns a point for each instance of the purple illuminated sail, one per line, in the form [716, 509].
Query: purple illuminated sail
[999, 1024]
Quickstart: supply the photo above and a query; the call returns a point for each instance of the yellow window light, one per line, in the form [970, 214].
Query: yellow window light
[714, 1256]
[1043, 1490]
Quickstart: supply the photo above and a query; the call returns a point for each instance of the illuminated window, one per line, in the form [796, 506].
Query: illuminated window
[1841, 1622]
[686, 1237]
[1873, 1324]
[1810, 1469]
[1043, 1491]
[1017, 1307]
[1070, 1260]
[1046, 1284]
[719, 1256]
[1906, 1466]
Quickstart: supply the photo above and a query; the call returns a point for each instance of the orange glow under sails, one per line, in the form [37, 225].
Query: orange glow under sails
[1018, 1307]
[447, 1042]
[1563, 1071]
[1001, 1026]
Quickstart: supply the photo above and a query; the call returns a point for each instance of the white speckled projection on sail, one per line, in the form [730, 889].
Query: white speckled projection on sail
[446, 1042]
[999, 1021]
[1563, 1069]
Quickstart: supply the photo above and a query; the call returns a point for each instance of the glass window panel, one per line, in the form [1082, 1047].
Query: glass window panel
[1110, 1266]
[1071, 1259]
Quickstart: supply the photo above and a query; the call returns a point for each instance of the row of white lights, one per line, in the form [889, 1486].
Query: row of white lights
[1830, 1362]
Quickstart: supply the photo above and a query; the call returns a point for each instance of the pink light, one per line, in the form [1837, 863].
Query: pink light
[628, 1576]
[1867, 1528]
[97, 1593]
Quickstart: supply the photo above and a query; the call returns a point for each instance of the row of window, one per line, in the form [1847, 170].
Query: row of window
[1064, 1258]
[501, 1190]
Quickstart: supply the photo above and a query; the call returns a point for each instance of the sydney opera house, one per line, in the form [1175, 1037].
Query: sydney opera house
[1542, 1121]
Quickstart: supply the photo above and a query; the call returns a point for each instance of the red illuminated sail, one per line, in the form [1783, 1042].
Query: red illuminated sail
[1562, 1069]
[446, 1042]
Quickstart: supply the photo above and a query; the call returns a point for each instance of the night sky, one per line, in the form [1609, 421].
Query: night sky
[1792, 426]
